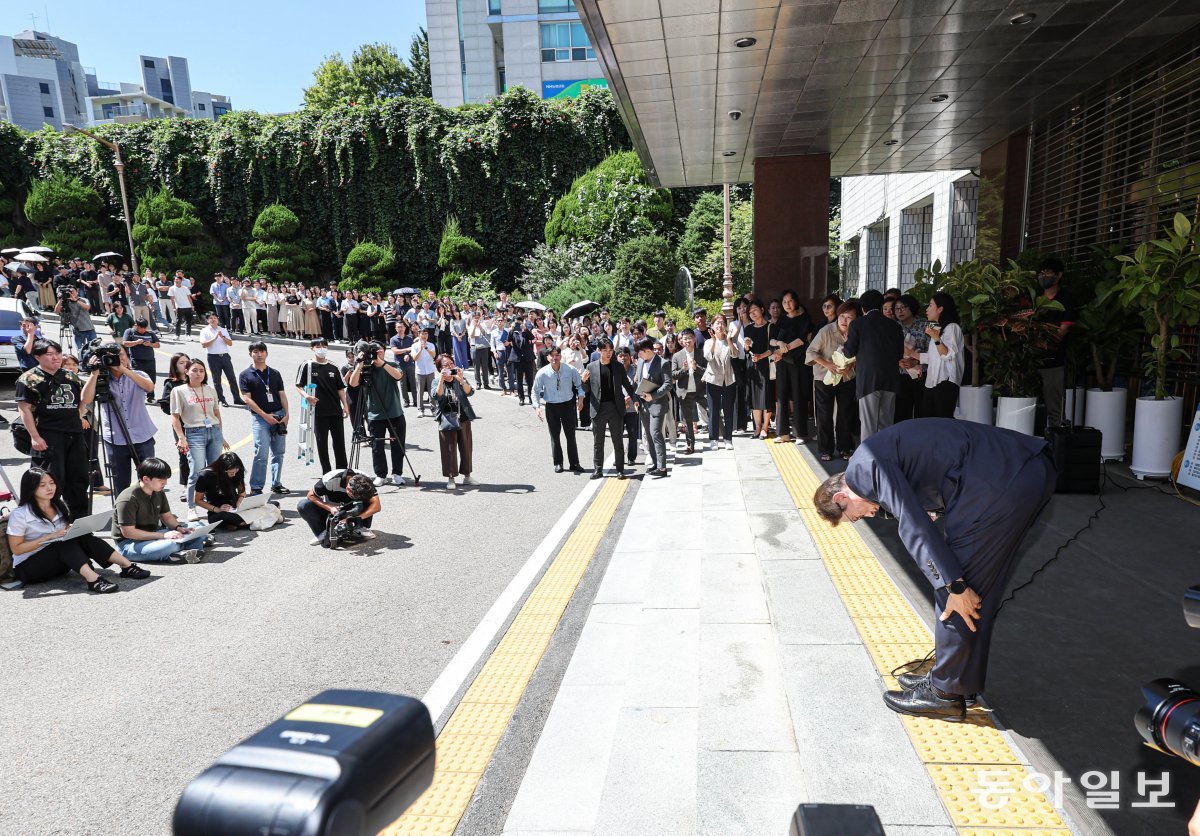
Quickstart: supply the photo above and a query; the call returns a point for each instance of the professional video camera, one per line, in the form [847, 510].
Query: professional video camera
[344, 524]
[64, 292]
[1169, 721]
[108, 353]
[365, 352]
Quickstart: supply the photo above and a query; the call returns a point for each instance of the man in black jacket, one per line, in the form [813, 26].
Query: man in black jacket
[877, 345]
[521, 356]
[989, 485]
[609, 390]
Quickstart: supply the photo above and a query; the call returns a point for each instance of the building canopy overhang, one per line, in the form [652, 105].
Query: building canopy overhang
[881, 86]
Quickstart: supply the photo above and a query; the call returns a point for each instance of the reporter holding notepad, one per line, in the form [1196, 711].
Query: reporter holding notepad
[35, 532]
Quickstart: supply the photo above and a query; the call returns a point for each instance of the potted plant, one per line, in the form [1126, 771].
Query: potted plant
[1160, 281]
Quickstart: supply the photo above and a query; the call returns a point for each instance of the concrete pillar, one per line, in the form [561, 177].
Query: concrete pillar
[791, 226]
[1002, 174]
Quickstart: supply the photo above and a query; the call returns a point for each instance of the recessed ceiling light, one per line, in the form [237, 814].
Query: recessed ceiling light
[1022, 19]
[743, 43]
[940, 97]
[891, 142]
[728, 153]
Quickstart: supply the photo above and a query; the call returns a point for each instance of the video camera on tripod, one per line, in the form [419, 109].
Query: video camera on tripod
[108, 356]
[365, 352]
[1169, 720]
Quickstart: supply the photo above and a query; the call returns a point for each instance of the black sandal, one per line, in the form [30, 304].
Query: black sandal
[137, 573]
[102, 585]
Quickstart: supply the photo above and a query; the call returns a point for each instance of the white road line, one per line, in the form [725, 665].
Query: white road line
[450, 681]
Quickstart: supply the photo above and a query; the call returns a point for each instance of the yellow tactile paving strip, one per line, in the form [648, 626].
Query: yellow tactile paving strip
[955, 754]
[468, 740]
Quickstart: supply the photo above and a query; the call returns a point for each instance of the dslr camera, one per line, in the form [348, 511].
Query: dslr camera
[1169, 719]
[107, 353]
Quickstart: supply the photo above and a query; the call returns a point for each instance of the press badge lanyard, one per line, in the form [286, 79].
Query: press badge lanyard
[199, 393]
[266, 384]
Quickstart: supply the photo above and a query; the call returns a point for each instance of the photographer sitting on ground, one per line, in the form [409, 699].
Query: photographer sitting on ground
[330, 494]
[143, 525]
[43, 518]
[379, 379]
[128, 389]
[220, 489]
[77, 310]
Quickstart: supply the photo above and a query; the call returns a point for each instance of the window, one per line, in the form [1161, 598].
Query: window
[547, 7]
[566, 42]
[493, 7]
[44, 87]
[200, 107]
[48, 112]
[147, 62]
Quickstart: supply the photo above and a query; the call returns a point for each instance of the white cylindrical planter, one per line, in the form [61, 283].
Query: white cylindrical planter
[1106, 412]
[1016, 414]
[1075, 402]
[975, 403]
[1157, 427]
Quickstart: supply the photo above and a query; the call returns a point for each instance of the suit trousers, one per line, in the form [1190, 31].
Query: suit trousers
[987, 549]
[910, 398]
[610, 418]
[835, 417]
[522, 372]
[653, 416]
[562, 418]
[689, 408]
[877, 411]
[632, 433]
[791, 387]
[721, 407]
[939, 402]
[479, 361]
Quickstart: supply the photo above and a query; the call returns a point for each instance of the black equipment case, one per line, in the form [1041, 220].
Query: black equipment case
[1076, 454]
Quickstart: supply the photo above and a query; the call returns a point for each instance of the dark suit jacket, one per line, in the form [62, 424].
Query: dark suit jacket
[657, 372]
[521, 350]
[928, 464]
[877, 343]
[680, 373]
[620, 383]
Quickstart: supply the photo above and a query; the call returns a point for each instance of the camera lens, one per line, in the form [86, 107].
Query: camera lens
[1169, 720]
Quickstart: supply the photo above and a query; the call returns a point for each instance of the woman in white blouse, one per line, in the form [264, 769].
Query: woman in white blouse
[720, 385]
[945, 357]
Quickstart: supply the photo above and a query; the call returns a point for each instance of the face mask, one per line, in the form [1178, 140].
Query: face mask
[1047, 281]
[320, 352]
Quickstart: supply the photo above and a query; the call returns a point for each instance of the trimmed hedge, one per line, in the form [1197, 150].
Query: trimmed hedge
[275, 253]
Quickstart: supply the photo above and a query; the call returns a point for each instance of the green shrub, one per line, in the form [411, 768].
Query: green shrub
[704, 225]
[275, 253]
[607, 206]
[549, 267]
[169, 236]
[643, 276]
[369, 265]
[458, 252]
[598, 287]
[467, 287]
[710, 277]
[69, 215]
[683, 317]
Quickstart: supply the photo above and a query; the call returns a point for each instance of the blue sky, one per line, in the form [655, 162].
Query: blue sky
[260, 54]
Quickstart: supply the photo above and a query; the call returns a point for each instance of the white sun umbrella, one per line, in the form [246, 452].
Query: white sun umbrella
[18, 268]
[530, 305]
[42, 250]
[30, 257]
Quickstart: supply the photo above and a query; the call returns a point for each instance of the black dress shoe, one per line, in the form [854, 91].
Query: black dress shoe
[597, 474]
[924, 701]
[577, 469]
[690, 451]
[620, 474]
[558, 468]
[908, 681]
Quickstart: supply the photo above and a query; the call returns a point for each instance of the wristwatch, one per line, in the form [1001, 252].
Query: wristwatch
[957, 587]
[937, 342]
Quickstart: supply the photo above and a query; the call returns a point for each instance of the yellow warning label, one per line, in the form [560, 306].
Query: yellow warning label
[343, 715]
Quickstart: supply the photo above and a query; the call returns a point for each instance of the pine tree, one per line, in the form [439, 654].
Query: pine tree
[169, 236]
[275, 253]
[69, 215]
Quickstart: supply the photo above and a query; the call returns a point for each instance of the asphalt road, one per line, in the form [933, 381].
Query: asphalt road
[111, 704]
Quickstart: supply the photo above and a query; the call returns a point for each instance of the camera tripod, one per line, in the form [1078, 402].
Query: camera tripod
[99, 451]
[358, 419]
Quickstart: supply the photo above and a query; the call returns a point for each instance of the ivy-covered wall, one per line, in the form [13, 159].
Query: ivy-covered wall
[385, 172]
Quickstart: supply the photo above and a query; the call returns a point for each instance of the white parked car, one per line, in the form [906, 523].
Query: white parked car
[11, 312]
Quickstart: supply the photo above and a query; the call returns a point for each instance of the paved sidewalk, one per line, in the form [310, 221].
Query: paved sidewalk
[719, 681]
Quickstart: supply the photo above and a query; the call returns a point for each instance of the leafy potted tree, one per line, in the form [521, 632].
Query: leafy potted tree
[1106, 332]
[1160, 281]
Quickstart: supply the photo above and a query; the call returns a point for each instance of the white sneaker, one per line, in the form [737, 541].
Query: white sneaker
[379, 481]
[398, 480]
[721, 445]
[714, 445]
[469, 480]
[365, 534]
[450, 486]
[316, 541]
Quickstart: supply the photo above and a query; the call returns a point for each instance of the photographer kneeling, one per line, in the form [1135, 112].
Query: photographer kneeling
[379, 380]
[340, 492]
[143, 525]
[126, 427]
[43, 518]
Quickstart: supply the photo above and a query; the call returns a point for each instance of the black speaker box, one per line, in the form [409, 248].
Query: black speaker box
[835, 820]
[1076, 453]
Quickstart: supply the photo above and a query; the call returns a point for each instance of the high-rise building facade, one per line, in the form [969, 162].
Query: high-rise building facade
[480, 48]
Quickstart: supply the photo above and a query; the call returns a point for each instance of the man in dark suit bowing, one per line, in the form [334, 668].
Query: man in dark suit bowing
[607, 387]
[877, 345]
[990, 484]
[653, 404]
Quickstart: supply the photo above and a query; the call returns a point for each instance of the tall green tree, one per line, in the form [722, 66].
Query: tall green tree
[375, 72]
[169, 236]
[70, 216]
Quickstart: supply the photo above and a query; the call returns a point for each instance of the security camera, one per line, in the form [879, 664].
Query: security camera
[735, 115]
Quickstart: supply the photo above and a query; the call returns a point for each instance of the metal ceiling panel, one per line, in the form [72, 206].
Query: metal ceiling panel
[843, 77]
